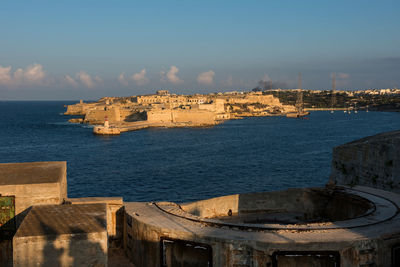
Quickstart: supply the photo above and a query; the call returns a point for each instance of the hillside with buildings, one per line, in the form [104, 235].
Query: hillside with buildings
[119, 114]
[375, 99]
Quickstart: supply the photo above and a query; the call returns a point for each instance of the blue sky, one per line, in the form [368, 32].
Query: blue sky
[89, 49]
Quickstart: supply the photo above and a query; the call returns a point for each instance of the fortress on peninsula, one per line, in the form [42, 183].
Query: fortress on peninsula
[119, 114]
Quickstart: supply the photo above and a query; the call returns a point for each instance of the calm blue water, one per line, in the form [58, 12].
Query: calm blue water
[183, 164]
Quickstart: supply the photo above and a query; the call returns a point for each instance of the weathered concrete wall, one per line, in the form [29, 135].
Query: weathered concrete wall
[62, 250]
[33, 194]
[34, 183]
[114, 212]
[62, 235]
[372, 161]
[308, 204]
[218, 206]
[6, 259]
[141, 242]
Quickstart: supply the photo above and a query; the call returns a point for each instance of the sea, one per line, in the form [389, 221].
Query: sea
[184, 164]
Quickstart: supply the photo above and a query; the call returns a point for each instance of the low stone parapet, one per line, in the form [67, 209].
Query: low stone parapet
[371, 161]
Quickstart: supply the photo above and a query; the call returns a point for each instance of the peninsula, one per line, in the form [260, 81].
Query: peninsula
[113, 115]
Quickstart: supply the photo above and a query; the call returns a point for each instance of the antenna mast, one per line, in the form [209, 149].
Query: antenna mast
[299, 101]
[333, 92]
[299, 81]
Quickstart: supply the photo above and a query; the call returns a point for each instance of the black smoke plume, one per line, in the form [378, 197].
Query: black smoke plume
[264, 85]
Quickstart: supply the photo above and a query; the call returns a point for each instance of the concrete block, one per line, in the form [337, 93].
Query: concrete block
[114, 212]
[34, 183]
[62, 235]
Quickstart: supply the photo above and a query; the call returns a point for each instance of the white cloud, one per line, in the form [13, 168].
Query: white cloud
[71, 80]
[5, 75]
[140, 78]
[171, 75]
[85, 78]
[206, 78]
[82, 78]
[121, 79]
[34, 73]
[31, 75]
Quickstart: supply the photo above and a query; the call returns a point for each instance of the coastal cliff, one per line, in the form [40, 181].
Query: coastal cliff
[372, 161]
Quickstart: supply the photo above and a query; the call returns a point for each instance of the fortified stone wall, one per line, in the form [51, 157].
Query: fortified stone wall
[193, 116]
[162, 115]
[78, 109]
[127, 113]
[96, 116]
[189, 116]
[217, 106]
[372, 161]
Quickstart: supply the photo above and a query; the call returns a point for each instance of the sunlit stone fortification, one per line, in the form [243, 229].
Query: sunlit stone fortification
[348, 223]
[170, 110]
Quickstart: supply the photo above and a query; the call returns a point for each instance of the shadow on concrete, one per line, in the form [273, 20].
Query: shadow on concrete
[53, 235]
[7, 232]
[74, 250]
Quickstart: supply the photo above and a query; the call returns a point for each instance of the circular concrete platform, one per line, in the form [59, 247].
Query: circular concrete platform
[343, 226]
[296, 209]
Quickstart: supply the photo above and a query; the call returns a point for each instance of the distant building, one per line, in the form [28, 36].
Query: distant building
[162, 92]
